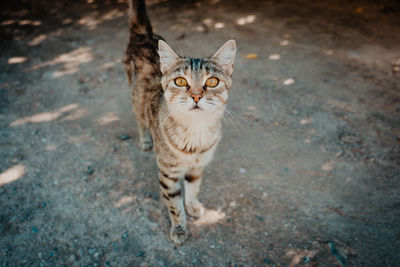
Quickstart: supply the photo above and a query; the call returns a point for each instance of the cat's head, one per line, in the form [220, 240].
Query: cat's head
[197, 87]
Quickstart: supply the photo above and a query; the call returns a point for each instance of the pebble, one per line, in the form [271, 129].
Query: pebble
[89, 170]
[125, 235]
[243, 170]
[259, 218]
[124, 137]
[72, 257]
[92, 251]
[286, 169]
[140, 254]
[266, 260]
[34, 229]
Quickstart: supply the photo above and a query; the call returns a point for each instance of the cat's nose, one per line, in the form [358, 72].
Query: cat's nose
[196, 98]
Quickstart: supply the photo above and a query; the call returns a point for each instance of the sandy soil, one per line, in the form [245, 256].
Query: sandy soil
[307, 172]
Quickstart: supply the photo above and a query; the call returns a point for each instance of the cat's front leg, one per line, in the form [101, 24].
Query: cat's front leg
[172, 193]
[192, 187]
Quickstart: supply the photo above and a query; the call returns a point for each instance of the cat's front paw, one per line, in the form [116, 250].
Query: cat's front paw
[195, 210]
[178, 234]
[146, 145]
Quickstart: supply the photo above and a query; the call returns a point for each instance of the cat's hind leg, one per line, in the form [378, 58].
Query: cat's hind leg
[192, 187]
[145, 142]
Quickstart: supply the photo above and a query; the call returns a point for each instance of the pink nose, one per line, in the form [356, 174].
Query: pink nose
[196, 98]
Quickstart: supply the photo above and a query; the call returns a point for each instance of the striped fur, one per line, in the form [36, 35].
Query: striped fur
[185, 133]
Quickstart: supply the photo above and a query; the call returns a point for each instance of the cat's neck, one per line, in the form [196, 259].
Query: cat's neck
[197, 120]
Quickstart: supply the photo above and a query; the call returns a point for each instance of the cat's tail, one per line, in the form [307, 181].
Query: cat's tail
[138, 19]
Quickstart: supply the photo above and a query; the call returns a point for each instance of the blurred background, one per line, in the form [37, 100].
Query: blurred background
[307, 172]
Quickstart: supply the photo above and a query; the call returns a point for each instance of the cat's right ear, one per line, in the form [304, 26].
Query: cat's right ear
[168, 58]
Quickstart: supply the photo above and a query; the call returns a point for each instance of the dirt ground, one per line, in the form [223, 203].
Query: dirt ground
[307, 172]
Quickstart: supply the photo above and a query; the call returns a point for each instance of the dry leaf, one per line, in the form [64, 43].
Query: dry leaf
[251, 56]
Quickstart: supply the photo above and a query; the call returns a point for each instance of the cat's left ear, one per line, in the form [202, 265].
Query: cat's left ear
[225, 56]
[168, 58]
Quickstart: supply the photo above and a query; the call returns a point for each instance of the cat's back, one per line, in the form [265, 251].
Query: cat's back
[142, 52]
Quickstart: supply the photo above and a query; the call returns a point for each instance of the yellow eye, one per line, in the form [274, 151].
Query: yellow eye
[212, 82]
[181, 82]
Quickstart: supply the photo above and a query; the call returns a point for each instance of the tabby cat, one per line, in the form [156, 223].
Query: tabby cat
[179, 103]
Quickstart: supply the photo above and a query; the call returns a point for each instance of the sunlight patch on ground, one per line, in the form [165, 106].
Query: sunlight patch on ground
[44, 116]
[328, 166]
[288, 81]
[246, 20]
[108, 118]
[8, 22]
[30, 22]
[274, 57]
[219, 25]
[306, 121]
[210, 217]
[77, 114]
[284, 43]
[208, 21]
[111, 64]
[37, 40]
[91, 21]
[70, 61]
[16, 60]
[42, 37]
[124, 201]
[12, 174]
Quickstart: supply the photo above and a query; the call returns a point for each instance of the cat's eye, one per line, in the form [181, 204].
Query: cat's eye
[181, 82]
[212, 82]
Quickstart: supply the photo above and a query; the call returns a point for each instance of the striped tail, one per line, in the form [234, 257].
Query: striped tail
[138, 20]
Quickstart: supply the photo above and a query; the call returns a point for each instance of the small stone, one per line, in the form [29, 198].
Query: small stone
[243, 170]
[96, 255]
[89, 170]
[140, 254]
[148, 194]
[194, 261]
[286, 169]
[124, 137]
[125, 235]
[34, 229]
[92, 251]
[259, 218]
[266, 260]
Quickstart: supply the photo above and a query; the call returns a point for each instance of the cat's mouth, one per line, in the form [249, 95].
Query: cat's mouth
[196, 107]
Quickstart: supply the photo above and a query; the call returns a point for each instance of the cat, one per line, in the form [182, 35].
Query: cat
[178, 103]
